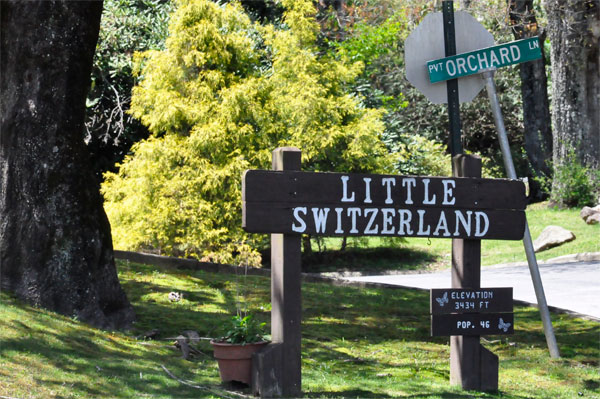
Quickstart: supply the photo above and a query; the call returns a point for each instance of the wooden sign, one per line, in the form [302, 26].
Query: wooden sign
[466, 300]
[472, 324]
[337, 204]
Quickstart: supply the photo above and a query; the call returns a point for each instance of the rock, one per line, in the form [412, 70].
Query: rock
[175, 296]
[585, 212]
[551, 237]
[590, 215]
[593, 219]
[192, 336]
[152, 334]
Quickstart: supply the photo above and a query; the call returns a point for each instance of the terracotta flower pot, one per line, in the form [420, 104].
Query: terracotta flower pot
[235, 360]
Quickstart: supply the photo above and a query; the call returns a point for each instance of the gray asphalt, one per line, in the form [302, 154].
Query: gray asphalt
[572, 286]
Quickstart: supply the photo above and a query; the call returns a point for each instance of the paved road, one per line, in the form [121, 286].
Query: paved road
[573, 286]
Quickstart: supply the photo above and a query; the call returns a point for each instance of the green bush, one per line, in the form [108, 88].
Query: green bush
[418, 155]
[575, 185]
[244, 330]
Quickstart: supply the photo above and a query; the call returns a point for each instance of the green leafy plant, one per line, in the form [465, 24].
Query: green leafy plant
[244, 330]
[418, 155]
[574, 184]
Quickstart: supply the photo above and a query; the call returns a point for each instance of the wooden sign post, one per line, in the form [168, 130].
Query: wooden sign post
[287, 202]
[472, 366]
[277, 369]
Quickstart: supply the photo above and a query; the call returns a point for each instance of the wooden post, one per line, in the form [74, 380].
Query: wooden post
[472, 366]
[277, 369]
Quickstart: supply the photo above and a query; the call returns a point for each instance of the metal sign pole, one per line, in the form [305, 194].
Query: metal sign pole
[452, 85]
[488, 76]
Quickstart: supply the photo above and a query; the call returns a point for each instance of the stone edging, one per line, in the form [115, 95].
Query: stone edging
[581, 257]
[190, 264]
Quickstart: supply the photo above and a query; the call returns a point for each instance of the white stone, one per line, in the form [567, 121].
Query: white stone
[552, 236]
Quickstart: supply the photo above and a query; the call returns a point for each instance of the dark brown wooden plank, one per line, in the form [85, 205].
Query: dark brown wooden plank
[343, 220]
[286, 292]
[466, 300]
[465, 350]
[296, 187]
[472, 324]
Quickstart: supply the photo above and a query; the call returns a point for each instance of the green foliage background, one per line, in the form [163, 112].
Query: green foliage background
[234, 81]
[127, 26]
[414, 127]
[224, 93]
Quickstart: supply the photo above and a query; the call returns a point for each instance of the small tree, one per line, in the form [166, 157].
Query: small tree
[218, 100]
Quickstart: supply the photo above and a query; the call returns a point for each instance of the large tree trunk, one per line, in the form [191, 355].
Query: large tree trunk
[574, 30]
[534, 91]
[55, 243]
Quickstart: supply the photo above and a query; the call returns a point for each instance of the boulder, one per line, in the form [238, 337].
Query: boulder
[552, 236]
[590, 215]
[593, 219]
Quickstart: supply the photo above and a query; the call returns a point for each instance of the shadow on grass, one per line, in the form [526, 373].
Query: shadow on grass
[466, 395]
[332, 312]
[361, 393]
[60, 354]
[222, 293]
[367, 259]
[339, 323]
[372, 259]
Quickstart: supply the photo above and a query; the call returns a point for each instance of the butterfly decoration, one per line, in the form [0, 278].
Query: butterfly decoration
[503, 326]
[443, 300]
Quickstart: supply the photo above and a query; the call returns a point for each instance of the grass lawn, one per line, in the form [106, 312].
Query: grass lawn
[356, 343]
[378, 254]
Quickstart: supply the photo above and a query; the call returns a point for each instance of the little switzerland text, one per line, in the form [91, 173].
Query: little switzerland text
[340, 204]
[392, 221]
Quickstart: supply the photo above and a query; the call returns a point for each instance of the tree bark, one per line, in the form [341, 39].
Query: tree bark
[55, 242]
[534, 90]
[574, 30]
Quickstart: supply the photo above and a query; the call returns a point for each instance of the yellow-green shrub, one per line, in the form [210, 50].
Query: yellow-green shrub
[223, 94]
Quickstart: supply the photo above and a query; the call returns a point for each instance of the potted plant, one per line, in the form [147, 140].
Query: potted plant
[234, 350]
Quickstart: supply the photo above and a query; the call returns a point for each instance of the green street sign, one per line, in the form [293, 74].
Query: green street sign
[476, 61]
